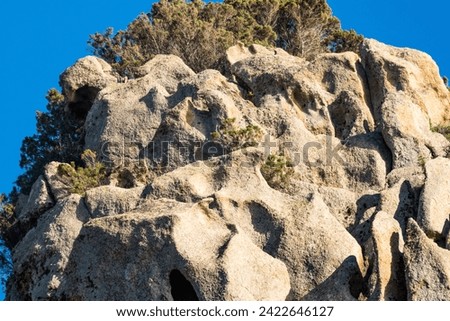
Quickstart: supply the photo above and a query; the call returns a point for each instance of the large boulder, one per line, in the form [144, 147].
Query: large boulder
[83, 81]
[125, 116]
[326, 101]
[275, 222]
[284, 179]
[321, 119]
[427, 267]
[28, 210]
[400, 201]
[37, 202]
[387, 281]
[144, 252]
[434, 207]
[40, 258]
[408, 97]
[59, 188]
[110, 200]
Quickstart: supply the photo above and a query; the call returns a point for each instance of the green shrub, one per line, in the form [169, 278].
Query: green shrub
[195, 32]
[200, 32]
[7, 216]
[277, 170]
[7, 219]
[80, 179]
[134, 174]
[59, 137]
[5, 265]
[232, 137]
[443, 130]
[421, 161]
[345, 40]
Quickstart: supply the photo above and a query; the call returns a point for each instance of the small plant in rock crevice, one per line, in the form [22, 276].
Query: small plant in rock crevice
[277, 171]
[233, 138]
[7, 210]
[443, 130]
[135, 174]
[81, 179]
[421, 161]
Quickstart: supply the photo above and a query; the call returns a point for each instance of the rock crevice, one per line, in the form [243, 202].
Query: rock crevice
[288, 180]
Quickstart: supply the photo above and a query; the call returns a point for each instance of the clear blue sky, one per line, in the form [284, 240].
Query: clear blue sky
[42, 38]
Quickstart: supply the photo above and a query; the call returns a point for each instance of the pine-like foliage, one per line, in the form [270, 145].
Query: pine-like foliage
[59, 137]
[200, 32]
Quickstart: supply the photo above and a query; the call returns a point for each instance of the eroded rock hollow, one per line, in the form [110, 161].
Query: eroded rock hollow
[287, 180]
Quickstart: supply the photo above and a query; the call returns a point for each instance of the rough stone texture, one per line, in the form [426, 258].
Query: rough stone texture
[244, 199]
[400, 201]
[203, 222]
[325, 102]
[82, 82]
[387, 281]
[240, 52]
[342, 204]
[89, 71]
[182, 237]
[427, 267]
[415, 175]
[38, 201]
[125, 116]
[200, 106]
[322, 254]
[242, 255]
[434, 207]
[40, 258]
[407, 97]
[306, 104]
[59, 188]
[447, 239]
[124, 119]
[167, 70]
[343, 285]
[110, 200]
[29, 209]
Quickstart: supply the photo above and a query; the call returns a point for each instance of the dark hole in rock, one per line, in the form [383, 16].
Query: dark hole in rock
[212, 149]
[83, 101]
[181, 288]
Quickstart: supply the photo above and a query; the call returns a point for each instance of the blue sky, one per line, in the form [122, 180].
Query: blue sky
[42, 38]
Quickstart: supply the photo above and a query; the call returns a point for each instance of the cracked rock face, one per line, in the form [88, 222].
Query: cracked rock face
[359, 213]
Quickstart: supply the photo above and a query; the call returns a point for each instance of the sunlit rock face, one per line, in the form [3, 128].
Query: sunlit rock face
[289, 179]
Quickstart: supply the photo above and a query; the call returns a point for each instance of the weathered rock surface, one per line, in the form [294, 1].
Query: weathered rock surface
[59, 188]
[82, 82]
[38, 201]
[447, 238]
[400, 201]
[427, 267]
[126, 116]
[110, 200]
[434, 207]
[180, 237]
[40, 258]
[387, 282]
[407, 98]
[203, 218]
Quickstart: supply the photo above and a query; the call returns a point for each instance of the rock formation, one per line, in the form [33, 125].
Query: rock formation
[287, 179]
